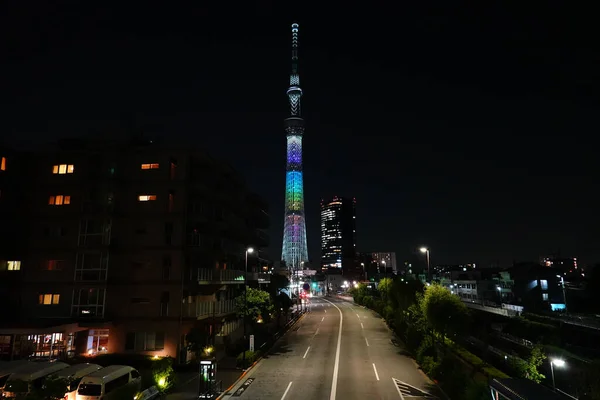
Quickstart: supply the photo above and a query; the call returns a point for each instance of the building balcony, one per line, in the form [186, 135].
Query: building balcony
[223, 276]
[206, 309]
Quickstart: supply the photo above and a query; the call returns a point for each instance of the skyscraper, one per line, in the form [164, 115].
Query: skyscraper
[294, 251]
[338, 233]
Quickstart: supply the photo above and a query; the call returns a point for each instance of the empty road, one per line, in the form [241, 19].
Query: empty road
[337, 351]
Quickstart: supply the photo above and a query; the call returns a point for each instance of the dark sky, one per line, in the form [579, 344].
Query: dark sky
[467, 127]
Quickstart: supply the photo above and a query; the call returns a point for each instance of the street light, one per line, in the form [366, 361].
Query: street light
[249, 250]
[555, 362]
[426, 251]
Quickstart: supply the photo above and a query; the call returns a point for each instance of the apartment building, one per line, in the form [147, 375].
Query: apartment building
[129, 247]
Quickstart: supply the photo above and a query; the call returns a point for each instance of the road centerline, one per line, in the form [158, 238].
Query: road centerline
[336, 366]
[306, 352]
[286, 391]
[366, 341]
[375, 369]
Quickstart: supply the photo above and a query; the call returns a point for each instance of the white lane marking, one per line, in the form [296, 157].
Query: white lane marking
[306, 352]
[322, 319]
[376, 374]
[286, 391]
[362, 326]
[325, 310]
[358, 315]
[336, 366]
[367, 342]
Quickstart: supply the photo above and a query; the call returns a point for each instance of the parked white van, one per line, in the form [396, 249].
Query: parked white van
[112, 382]
[73, 376]
[30, 376]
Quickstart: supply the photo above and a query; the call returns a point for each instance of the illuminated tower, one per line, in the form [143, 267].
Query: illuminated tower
[294, 251]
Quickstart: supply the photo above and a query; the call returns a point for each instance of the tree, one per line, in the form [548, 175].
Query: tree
[445, 312]
[531, 365]
[256, 304]
[277, 283]
[385, 288]
[196, 340]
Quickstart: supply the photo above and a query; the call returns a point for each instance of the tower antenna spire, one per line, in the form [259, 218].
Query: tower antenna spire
[294, 92]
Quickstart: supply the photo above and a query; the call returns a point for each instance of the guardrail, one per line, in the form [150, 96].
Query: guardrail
[203, 309]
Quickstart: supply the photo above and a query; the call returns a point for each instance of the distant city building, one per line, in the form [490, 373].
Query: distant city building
[338, 233]
[386, 261]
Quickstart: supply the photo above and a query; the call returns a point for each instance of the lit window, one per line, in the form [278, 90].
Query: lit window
[59, 200]
[3, 164]
[150, 166]
[49, 298]
[13, 265]
[62, 169]
[545, 296]
[147, 197]
[54, 265]
[544, 284]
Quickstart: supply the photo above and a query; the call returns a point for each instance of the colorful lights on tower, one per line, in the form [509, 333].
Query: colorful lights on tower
[294, 251]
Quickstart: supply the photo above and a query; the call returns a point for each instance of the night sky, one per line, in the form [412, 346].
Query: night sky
[470, 128]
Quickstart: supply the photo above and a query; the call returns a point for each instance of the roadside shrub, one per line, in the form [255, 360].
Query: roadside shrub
[426, 349]
[429, 366]
[477, 391]
[251, 357]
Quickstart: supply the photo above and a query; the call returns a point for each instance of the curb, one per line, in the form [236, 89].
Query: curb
[250, 368]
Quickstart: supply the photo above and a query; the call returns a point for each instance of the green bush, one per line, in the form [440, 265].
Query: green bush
[251, 357]
[477, 391]
[163, 374]
[429, 366]
[426, 349]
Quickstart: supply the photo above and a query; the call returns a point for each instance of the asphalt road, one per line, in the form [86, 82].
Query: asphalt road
[317, 360]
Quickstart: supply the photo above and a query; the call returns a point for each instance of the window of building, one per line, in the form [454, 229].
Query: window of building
[59, 200]
[171, 201]
[54, 265]
[62, 169]
[145, 341]
[49, 298]
[173, 169]
[150, 166]
[164, 304]
[545, 296]
[140, 300]
[147, 197]
[13, 265]
[88, 302]
[544, 284]
[166, 268]
[91, 266]
[3, 164]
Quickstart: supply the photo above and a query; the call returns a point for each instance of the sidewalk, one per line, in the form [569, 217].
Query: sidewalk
[187, 388]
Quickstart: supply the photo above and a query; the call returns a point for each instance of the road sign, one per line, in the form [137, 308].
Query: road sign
[407, 391]
[251, 342]
[306, 286]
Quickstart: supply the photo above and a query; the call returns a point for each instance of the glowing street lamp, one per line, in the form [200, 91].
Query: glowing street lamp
[558, 363]
[426, 251]
[249, 250]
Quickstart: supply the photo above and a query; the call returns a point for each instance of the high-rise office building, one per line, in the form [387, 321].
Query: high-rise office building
[338, 233]
[294, 250]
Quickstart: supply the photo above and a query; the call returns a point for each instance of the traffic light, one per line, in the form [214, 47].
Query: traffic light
[314, 285]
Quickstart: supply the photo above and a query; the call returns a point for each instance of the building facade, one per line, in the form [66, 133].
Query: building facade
[386, 262]
[129, 247]
[338, 234]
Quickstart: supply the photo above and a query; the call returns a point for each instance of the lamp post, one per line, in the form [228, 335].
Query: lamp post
[499, 293]
[249, 250]
[555, 362]
[562, 284]
[426, 251]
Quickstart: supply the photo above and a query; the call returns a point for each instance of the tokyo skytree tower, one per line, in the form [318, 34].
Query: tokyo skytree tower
[294, 251]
